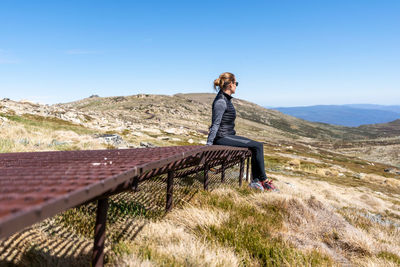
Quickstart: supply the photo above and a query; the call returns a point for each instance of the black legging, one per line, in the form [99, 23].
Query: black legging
[257, 159]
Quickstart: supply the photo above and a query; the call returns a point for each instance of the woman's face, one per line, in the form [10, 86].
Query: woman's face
[233, 87]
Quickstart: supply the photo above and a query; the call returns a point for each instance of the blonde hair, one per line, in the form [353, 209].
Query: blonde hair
[223, 80]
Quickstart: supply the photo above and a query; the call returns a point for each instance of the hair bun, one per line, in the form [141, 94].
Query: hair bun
[217, 83]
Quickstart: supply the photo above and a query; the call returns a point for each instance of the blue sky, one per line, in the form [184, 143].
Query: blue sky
[284, 53]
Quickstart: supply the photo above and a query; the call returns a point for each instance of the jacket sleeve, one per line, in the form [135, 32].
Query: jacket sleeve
[219, 108]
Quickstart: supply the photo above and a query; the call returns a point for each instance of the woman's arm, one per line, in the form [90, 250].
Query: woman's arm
[218, 110]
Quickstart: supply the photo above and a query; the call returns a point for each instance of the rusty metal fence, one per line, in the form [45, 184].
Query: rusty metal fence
[35, 186]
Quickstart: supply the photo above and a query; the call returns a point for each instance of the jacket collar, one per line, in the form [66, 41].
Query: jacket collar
[226, 95]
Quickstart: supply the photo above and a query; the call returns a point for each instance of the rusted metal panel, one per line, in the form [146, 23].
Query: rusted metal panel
[37, 185]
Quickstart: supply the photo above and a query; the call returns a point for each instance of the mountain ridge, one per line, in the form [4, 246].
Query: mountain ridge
[353, 115]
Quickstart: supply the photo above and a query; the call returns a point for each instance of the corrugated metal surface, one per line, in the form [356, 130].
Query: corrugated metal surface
[37, 185]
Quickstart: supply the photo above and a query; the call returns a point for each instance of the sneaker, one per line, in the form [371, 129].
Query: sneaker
[267, 185]
[256, 185]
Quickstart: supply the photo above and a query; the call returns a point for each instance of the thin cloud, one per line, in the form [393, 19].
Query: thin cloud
[82, 52]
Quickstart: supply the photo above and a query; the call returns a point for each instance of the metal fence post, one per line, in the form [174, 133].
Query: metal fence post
[241, 171]
[100, 232]
[223, 172]
[170, 190]
[206, 176]
[247, 170]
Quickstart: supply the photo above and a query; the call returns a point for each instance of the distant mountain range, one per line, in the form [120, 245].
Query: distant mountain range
[352, 115]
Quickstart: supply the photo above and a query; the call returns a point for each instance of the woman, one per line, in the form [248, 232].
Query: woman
[222, 130]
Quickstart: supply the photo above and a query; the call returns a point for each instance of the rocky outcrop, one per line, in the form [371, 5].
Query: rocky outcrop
[114, 140]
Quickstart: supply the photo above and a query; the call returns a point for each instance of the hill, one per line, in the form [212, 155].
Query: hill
[179, 119]
[346, 115]
[184, 109]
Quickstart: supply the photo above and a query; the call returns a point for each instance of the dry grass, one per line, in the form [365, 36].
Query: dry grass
[168, 242]
[16, 137]
[333, 227]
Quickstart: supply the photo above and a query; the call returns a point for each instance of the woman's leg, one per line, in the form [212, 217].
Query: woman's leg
[257, 161]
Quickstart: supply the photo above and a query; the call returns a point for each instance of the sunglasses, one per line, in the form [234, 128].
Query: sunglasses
[237, 83]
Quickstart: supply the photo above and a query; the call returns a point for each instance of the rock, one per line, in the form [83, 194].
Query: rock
[152, 131]
[112, 139]
[190, 141]
[290, 185]
[142, 95]
[392, 170]
[175, 131]
[333, 172]
[38, 143]
[118, 99]
[203, 142]
[171, 131]
[54, 142]
[146, 144]
[137, 134]
[359, 175]
[165, 138]
[203, 132]
[4, 119]
[24, 141]
[294, 162]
